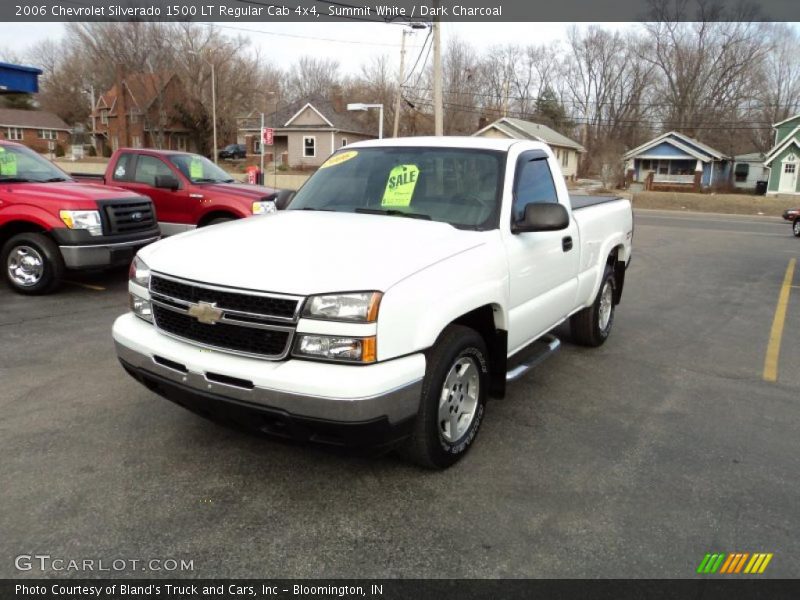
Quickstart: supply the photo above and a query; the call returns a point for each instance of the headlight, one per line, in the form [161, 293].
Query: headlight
[361, 307]
[141, 308]
[82, 219]
[329, 347]
[139, 273]
[263, 207]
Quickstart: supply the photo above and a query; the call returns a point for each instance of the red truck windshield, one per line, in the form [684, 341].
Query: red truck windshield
[21, 165]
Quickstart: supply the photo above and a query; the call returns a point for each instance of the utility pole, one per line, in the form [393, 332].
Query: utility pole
[400, 78]
[438, 121]
[214, 109]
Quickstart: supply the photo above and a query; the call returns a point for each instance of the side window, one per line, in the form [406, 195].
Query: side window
[534, 184]
[122, 170]
[148, 167]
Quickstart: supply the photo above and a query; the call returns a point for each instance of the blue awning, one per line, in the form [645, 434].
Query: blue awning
[16, 79]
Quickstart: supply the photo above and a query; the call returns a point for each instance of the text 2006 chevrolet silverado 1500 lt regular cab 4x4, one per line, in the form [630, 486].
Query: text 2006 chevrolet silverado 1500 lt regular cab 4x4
[386, 303]
[49, 222]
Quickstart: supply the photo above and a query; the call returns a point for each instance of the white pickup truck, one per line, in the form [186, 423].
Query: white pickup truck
[388, 301]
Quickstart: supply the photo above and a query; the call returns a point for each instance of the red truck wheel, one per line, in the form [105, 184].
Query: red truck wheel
[32, 263]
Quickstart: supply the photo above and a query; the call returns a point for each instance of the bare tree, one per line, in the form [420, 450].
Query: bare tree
[311, 76]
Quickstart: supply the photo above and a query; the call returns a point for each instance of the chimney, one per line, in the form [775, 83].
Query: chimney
[482, 122]
[337, 99]
[122, 110]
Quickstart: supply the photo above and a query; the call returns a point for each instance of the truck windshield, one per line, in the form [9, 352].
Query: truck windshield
[452, 185]
[19, 164]
[199, 169]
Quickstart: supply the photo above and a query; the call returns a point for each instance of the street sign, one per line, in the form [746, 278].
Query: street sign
[267, 134]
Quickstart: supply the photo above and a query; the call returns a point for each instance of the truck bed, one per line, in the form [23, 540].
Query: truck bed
[579, 201]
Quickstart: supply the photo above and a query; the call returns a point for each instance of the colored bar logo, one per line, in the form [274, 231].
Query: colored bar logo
[734, 563]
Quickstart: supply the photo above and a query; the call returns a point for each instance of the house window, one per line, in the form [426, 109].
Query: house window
[663, 167]
[115, 142]
[565, 159]
[182, 143]
[136, 141]
[309, 146]
[47, 134]
[344, 142]
[104, 117]
[134, 117]
[741, 171]
[14, 134]
[789, 168]
[646, 165]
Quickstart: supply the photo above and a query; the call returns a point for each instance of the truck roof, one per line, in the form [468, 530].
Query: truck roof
[479, 143]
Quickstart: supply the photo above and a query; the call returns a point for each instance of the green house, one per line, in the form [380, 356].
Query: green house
[784, 158]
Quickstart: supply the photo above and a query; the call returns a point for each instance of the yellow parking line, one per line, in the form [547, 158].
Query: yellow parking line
[88, 286]
[775, 335]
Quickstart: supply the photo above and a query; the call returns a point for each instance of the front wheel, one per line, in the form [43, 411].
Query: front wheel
[32, 263]
[453, 399]
[592, 325]
[796, 228]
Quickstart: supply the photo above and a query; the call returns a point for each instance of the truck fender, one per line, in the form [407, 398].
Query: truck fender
[28, 213]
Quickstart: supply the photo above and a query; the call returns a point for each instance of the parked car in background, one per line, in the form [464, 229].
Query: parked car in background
[188, 190]
[412, 274]
[793, 215]
[50, 223]
[233, 151]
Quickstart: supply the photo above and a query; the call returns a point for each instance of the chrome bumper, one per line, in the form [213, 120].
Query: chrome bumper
[102, 255]
[396, 405]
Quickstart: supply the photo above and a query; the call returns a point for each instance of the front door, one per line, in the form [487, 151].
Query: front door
[543, 264]
[788, 182]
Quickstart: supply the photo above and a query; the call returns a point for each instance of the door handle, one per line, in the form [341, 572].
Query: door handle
[566, 243]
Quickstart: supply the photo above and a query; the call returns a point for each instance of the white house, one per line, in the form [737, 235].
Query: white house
[748, 169]
[566, 150]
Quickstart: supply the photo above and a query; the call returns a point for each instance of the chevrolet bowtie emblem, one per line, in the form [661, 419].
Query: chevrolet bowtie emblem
[205, 312]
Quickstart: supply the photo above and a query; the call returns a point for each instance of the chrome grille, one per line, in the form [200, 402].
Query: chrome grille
[253, 324]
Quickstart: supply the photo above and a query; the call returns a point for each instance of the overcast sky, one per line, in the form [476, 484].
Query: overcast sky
[355, 42]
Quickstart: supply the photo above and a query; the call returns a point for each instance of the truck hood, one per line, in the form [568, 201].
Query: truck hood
[67, 194]
[235, 190]
[300, 252]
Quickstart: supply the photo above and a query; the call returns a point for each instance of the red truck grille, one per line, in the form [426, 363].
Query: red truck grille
[128, 216]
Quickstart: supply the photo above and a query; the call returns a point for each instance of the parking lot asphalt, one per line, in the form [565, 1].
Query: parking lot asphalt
[631, 460]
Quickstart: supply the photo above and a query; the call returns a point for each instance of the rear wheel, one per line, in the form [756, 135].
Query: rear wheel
[32, 263]
[453, 399]
[796, 228]
[592, 325]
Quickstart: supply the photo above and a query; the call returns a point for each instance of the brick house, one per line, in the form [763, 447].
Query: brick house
[34, 128]
[141, 110]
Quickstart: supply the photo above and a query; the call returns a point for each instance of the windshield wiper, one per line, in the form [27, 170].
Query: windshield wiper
[209, 180]
[17, 180]
[54, 179]
[309, 208]
[393, 212]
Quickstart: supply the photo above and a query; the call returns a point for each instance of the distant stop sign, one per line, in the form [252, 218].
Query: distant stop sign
[267, 136]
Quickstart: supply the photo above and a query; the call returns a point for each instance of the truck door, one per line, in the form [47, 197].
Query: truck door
[172, 206]
[543, 265]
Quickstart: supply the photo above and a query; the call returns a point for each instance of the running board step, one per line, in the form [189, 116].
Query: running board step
[548, 343]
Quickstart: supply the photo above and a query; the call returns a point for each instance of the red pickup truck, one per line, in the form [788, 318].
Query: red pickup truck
[188, 190]
[793, 215]
[49, 222]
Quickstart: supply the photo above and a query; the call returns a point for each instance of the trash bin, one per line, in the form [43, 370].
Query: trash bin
[761, 188]
[253, 175]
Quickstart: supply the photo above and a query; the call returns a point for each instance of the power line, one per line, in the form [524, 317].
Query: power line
[416, 62]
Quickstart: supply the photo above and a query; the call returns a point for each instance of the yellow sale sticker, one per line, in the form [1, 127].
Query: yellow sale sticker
[196, 169]
[8, 163]
[338, 159]
[400, 185]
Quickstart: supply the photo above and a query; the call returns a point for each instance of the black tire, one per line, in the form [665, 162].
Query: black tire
[796, 228]
[44, 249]
[585, 325]
[219, 220]
[428, 446]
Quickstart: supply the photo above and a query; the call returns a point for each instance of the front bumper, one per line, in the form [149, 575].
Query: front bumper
[342, 404]
[103, 255]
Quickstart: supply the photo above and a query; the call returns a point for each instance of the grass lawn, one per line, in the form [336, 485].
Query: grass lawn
[736, 204]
